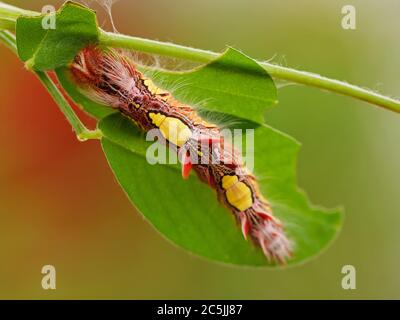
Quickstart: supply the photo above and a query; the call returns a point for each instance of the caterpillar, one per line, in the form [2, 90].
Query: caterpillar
[112, 78]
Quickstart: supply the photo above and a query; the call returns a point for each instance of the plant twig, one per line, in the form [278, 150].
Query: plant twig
[8, 39]
[276, 71]
[9, 14]
[81, 131]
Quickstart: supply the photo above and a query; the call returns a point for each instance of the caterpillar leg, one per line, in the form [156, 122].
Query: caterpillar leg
[209, 139]
[192, 144]
[245, 224]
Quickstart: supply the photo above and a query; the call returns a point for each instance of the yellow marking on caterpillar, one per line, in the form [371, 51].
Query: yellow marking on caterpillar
[153, 88]
[238, 193]
[136, 105]
[172, 129]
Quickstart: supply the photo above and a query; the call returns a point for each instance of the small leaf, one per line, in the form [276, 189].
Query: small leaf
[233, 84]
[47, 49]
[188, 213]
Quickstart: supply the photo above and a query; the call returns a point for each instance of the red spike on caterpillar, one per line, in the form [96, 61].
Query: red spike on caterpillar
[186, 166]
[111, 78]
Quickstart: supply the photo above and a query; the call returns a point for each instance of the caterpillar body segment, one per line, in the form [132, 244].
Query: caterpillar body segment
[238, 194]
[111, 78]
[173, 129]
[238, 190]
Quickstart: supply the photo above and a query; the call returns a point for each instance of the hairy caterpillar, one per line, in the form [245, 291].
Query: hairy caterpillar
[110, 77]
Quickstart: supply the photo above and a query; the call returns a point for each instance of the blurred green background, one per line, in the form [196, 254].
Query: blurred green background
[60, 204]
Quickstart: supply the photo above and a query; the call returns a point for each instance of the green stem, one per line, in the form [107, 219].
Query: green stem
[156, 47]
[8, 40]
[10, 11]
[8, 14]
[81, 131]
[276, 71]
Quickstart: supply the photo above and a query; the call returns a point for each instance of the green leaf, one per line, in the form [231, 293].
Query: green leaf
[233, 84]
[188, 213]
[46, 49]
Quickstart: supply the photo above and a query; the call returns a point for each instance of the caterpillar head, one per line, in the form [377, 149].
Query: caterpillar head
[104, 76]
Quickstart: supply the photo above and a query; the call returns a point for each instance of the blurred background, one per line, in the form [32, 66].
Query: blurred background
[60, 204]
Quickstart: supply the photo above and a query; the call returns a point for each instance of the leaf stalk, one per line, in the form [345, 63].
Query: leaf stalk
[82, 133]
